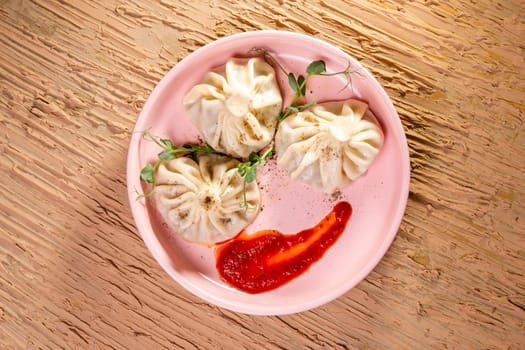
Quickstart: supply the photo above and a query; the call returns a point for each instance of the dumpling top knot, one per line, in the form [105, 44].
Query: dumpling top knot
[329, 145]
[236, 106]
[340, 129]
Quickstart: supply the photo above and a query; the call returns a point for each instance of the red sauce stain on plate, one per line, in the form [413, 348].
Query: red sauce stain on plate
[268, 259]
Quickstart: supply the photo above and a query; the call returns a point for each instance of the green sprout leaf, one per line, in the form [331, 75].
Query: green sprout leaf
[316, 67]
[253, 157]
[250, 175]
[293, 84]
[148, 174]
[166, 155]
[302, 85]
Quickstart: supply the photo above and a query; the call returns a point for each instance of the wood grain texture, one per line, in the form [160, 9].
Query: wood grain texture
[75, 274]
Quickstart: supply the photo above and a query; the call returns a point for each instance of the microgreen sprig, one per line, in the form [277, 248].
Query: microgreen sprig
[248, 170]
[169, 151]
[298, 83]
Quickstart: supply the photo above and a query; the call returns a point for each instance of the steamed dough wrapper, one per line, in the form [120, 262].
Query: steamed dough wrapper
[329, 145]
[202, 200]
[236, 106]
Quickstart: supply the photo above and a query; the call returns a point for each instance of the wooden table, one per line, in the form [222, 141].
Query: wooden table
[74, 272]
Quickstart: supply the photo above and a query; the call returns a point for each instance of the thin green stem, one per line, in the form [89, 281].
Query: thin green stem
[269, 56]
[245, 204]
[147, 134]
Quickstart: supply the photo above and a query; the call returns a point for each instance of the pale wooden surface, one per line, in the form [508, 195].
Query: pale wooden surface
[75, 274]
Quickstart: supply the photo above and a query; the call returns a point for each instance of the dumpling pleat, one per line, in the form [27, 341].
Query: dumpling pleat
[331, 168]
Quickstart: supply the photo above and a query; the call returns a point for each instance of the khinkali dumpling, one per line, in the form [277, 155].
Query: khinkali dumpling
[329, 145]
[203, 200]
[236, 106]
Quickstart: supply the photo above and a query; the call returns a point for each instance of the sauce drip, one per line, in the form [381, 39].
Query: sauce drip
[268, 259]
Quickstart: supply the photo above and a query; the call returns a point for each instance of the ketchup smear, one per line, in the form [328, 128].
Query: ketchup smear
[268, 259]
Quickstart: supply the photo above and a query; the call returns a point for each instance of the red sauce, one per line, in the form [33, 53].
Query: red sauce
[268, 259]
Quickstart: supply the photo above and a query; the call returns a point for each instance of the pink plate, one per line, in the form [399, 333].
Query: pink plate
[378, 198]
